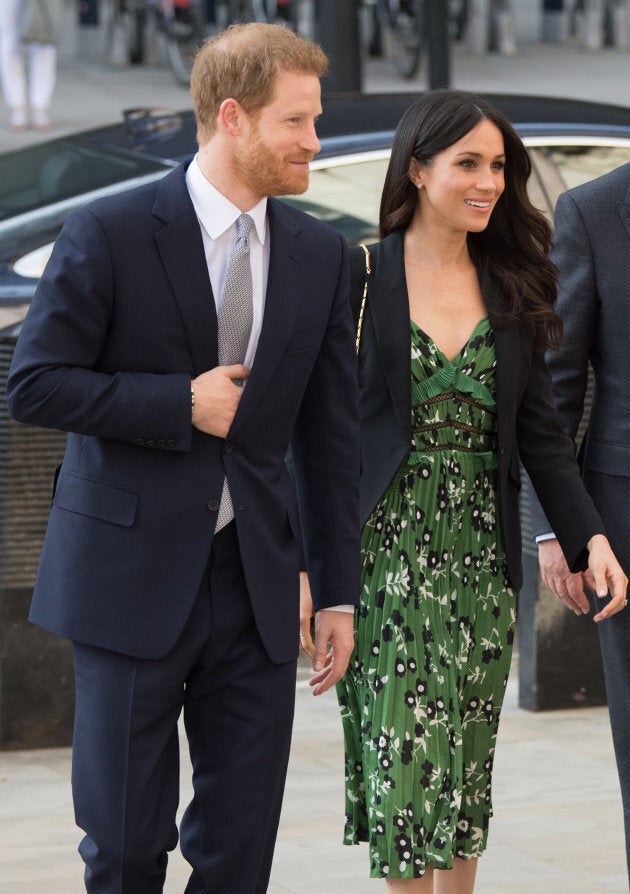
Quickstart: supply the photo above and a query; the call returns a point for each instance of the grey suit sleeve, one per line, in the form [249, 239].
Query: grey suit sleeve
[577, 305]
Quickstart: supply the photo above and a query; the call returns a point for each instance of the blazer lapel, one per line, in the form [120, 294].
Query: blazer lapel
[180, 246]
[506, 346]
[388, 303]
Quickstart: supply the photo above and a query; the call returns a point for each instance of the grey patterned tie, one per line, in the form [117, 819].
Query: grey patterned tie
[235, 325]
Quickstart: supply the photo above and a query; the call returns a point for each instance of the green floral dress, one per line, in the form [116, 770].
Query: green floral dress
[420, 702]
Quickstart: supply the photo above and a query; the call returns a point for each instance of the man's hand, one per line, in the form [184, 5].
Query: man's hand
[217, 399]
[605, 573]
[306, 616]
[556, 574]
[335, 630]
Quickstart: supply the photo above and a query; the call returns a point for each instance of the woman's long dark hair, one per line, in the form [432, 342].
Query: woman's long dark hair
[517, 278]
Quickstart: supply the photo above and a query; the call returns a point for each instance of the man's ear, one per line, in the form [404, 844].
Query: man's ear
[231, 116]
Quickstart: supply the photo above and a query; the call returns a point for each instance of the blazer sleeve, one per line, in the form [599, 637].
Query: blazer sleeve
[548, 456]
[57, 378]
[325, 453]
[577, 305]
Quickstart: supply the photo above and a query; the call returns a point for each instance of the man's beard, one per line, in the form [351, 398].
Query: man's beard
[269, 174]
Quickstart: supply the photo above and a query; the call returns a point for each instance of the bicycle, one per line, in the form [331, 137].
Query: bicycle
[405, 22]
[180, 22]
[403, 19]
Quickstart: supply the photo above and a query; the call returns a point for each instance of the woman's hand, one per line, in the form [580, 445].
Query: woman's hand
[605, 573]
[306, 616]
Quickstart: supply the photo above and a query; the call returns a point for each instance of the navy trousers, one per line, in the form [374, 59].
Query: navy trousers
[238, 713]
[611, 494]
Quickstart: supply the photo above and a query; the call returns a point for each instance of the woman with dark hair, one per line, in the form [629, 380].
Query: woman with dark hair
[453, 389]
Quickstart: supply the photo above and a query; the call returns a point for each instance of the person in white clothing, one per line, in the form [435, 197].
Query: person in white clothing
[28, 68]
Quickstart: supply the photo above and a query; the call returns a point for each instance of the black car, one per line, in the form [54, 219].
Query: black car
[569, 141]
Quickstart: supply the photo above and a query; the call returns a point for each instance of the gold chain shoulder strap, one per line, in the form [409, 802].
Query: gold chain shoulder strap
[368, 270]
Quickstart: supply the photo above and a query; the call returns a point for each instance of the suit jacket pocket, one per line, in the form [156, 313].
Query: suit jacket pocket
[611, 459]
[96, 499]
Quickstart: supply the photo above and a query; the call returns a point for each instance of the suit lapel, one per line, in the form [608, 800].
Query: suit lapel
[180, 246]
[389, 307]
[289, 268]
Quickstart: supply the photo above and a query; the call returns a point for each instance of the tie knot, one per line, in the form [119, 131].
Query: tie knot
[244, 224]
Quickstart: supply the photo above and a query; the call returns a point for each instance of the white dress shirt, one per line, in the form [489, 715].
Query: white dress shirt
[217, 218]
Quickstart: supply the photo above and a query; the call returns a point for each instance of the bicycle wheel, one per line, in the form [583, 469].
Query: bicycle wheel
[184, 35]
[407, 37]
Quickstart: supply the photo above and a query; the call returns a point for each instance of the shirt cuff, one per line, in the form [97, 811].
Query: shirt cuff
[338, 608]
[541, 537]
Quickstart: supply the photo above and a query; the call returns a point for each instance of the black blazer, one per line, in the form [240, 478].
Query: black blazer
[122, 319]
[526, 417]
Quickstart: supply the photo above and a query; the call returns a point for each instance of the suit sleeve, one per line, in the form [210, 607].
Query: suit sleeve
[58, 378]
[326, 459]
[577, 306]
[548, 455]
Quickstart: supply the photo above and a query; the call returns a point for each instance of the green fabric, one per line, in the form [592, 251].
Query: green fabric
[420, 702]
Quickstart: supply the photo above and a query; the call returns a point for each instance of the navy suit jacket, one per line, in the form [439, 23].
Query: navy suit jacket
[527, 423]
[124, 316]
[591, 246]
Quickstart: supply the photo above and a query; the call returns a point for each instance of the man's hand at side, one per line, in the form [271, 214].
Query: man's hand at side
[334, 642]
[556, 574]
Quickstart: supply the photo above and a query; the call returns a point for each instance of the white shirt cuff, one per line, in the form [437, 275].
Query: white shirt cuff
[339, 608]
[549, 536]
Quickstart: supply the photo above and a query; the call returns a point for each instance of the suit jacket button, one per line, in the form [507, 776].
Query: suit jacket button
[170, 443]
[161, 443]
[227, 447]
[151, 443]
[213, 505]
[140, 441]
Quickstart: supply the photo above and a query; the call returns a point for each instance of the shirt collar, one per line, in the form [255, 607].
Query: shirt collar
[215, 212]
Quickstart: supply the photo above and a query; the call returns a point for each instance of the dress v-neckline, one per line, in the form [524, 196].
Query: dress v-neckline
[463, 347]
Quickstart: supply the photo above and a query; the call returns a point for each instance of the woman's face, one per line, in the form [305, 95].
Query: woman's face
[463, 183]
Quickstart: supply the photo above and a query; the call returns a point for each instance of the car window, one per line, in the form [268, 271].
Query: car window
[579, 164]
[346, 196]
[63, 169]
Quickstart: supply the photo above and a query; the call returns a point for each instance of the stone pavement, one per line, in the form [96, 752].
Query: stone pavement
[557, 827]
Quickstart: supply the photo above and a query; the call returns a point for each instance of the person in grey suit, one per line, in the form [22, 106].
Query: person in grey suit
[591, 248]
[173, 605]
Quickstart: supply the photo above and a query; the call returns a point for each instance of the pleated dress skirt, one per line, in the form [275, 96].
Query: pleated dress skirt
[421, 700]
